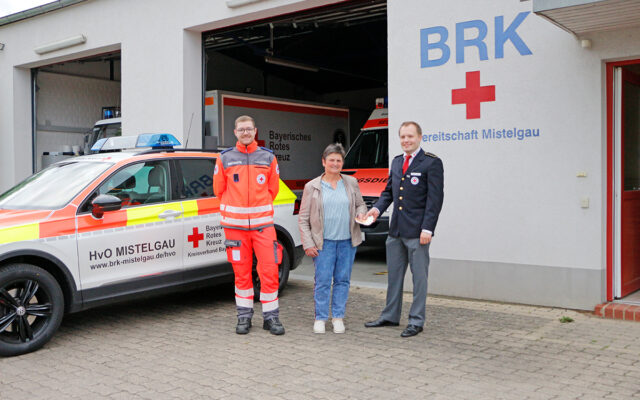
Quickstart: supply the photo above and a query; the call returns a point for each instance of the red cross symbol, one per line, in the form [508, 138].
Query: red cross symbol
[261, 179]
[196, 237]
[473, 94]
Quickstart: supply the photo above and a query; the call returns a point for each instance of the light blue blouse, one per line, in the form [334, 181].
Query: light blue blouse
[336, 212]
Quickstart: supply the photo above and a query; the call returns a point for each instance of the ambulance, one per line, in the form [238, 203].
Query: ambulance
[368, 161]
[115, 225]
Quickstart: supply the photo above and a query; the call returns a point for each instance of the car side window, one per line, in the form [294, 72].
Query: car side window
[197, 177]
[140, 183]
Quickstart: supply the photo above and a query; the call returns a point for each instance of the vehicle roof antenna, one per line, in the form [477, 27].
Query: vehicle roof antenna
[186, 145]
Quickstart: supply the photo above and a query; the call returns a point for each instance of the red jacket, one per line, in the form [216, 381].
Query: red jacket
[246, 180]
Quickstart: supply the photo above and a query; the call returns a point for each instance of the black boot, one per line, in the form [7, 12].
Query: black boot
[244, 324]
[274, 326]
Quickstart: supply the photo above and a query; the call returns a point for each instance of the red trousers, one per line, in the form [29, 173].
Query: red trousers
[240, 248]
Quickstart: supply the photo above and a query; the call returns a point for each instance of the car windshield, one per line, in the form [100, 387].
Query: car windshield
[370, 150]
[52, 187]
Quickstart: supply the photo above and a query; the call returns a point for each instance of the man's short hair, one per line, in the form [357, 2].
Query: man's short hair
[244, 118]
[333, 148]
[407, 123]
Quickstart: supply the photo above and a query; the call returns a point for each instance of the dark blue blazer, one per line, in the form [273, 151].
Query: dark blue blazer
[417, 195]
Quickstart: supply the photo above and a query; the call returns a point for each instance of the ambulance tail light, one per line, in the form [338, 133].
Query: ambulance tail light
[296, 207]
[157, 140]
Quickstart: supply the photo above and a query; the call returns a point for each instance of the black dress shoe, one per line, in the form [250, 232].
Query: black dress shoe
[244, 324]
[380, 322]
[274, 326]
[411, 330]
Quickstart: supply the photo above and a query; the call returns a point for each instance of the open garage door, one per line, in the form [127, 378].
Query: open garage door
[70, 97]
[319, 65]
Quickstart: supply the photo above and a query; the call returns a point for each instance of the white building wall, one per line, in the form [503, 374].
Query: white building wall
[512, 227]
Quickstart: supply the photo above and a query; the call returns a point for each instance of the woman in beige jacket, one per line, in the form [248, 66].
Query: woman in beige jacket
[330, 234]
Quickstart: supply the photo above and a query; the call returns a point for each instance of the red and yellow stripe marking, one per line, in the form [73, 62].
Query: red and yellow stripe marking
[20, 233]
[63, 222]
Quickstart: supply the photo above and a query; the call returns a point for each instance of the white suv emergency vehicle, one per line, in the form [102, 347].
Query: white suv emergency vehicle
[111, 226]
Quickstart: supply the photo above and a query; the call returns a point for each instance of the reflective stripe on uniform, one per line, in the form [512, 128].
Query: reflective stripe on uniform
[270, 306]
[245, 292]
[242, 302]
[268, 296]
[246, 221]
[246, 210]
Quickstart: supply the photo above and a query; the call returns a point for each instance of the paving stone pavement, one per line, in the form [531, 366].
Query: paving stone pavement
[184, 347]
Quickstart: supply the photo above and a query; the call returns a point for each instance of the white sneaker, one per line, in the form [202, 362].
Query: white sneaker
[338, 325]
[318, 326]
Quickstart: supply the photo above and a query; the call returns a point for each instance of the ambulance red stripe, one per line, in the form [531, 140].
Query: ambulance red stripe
[267, 105]
[376, 123]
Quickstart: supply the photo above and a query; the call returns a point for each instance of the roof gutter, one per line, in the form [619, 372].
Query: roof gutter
[32, 12]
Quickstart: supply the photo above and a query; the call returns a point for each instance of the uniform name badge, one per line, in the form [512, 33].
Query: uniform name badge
[415, 180]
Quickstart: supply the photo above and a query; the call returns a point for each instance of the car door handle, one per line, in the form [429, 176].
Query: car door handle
[169, 214]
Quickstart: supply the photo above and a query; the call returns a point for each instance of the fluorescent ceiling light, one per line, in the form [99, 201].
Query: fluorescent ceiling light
[290, 64]
[60, 44]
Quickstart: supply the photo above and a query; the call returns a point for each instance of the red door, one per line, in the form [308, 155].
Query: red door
[630, 205]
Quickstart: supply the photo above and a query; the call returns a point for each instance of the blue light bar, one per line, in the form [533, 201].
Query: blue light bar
[97, 146]
[157, 140]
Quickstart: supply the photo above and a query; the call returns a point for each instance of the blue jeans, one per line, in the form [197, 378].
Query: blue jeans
[334, 262]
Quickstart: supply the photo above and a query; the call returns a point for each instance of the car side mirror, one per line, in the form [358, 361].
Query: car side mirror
[104, 203]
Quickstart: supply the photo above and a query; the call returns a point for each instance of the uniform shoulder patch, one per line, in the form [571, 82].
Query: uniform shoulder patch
[226, 150]
[426, 153]
[264, 148]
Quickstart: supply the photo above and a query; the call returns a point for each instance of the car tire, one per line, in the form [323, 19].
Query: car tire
[283, 272]
[31, 308]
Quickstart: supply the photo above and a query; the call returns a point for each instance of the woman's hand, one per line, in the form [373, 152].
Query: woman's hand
[311, 252]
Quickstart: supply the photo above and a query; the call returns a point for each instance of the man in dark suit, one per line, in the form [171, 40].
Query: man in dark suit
[415, 186]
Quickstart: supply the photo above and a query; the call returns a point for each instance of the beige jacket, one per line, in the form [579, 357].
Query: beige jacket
[311, 217]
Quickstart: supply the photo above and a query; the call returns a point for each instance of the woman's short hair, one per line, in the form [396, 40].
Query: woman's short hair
[333, 148]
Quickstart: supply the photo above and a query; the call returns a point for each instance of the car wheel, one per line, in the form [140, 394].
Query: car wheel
[283, 272]
[31, 308]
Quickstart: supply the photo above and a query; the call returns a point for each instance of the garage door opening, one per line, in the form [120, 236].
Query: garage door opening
[69, 98]
[329, 61]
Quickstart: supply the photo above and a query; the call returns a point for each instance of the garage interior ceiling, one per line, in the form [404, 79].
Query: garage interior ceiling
[327, 50]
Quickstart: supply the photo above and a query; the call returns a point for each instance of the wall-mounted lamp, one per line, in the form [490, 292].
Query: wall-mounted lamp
[60, 44]
[1, 46]
[290, 64]
[585, 43]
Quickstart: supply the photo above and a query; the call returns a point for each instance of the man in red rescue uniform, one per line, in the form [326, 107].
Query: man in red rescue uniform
[246, 180]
